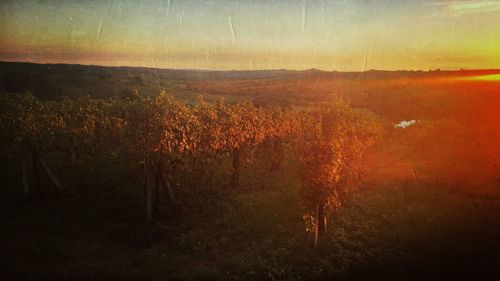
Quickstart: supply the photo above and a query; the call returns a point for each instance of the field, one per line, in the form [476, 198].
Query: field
[426, 209]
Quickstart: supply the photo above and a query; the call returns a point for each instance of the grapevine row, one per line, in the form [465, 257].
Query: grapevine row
[164, 136]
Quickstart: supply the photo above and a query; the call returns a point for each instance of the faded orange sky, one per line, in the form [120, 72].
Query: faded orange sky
[258, 34]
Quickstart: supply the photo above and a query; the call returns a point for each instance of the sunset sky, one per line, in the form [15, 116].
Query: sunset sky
[254, 34]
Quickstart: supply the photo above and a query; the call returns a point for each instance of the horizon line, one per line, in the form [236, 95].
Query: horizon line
[235, 70]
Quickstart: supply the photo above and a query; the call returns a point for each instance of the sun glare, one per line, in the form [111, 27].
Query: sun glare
[489, 77]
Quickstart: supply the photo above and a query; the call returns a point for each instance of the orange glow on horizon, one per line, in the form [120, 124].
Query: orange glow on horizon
[354, 36]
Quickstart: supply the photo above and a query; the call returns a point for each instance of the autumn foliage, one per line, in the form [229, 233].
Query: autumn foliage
[331, 146]
[162, 136]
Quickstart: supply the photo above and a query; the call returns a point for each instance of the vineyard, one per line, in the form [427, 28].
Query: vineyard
[206, 140]
[162, 138]
[152, 186]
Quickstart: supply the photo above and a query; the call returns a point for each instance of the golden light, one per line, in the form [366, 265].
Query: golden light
[489, 77]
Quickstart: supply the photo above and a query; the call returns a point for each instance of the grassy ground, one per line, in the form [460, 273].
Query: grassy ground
[391, 231]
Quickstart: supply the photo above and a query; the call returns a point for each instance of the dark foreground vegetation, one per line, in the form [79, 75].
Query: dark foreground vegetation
[397, 232]
[140, 186]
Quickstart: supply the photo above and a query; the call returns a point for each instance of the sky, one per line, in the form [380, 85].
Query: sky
[343, 35]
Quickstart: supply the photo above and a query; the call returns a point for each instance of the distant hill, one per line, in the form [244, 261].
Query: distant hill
[51, 81]
[54, 80]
